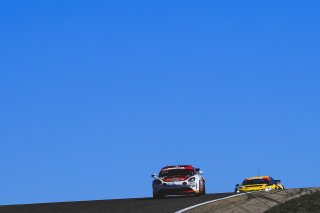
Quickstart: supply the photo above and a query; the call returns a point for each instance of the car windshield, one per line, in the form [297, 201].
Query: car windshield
[176, 172]
[255, 181]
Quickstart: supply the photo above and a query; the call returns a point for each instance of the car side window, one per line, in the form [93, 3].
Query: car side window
[272, 181]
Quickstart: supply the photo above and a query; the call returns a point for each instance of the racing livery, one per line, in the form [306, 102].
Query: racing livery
[178, 180]
[259, 183]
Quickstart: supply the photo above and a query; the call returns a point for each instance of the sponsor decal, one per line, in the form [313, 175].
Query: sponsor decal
[171, 168]
[258, 178]
[177, 167]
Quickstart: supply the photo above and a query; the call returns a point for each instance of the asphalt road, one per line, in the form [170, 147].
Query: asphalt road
[139, 205]
[256, 202]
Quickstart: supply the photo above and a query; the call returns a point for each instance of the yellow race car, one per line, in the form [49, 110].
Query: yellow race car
[259, 183]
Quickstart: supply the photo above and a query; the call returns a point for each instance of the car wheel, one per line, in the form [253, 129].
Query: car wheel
[201, 188]
[158, 196]
[279, 188]
[204, 190]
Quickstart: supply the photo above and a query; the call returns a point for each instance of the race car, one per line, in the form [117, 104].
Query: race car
[178, 180]
[259, 183]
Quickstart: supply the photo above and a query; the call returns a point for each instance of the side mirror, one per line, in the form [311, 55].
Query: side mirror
[197, 169]
[200, 172]
[277, 181]
[154, 176]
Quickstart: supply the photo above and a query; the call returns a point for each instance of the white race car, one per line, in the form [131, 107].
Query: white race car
[178, 180]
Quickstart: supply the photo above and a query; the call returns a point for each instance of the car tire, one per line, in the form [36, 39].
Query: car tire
[201, 188]
[279, 188]
[204, 190]
[158, 196]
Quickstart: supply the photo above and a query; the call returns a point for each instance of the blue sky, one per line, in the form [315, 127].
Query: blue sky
[97, 95]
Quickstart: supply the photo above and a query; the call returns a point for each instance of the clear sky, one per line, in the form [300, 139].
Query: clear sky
[95, 96]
